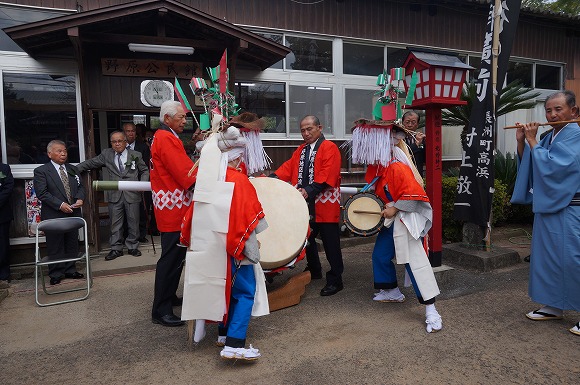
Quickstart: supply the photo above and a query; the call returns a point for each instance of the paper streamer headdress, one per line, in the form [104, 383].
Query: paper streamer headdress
[372, 141]
[250, 125]
[380, 141]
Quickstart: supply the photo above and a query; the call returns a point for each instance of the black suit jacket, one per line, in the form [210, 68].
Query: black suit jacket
[418, 153]
[50, 190]
[143, 148]
[6, 187]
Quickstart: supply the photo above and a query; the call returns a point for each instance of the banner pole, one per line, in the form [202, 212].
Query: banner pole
[494, 63]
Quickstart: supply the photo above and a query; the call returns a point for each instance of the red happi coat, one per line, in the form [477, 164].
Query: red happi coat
[170, 181]
[327, 164]
[400, 180]
[245, 213]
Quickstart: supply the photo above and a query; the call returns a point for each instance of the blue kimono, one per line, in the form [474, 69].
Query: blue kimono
[549, 178]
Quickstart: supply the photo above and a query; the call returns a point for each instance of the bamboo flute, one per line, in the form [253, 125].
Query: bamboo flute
[547, 123]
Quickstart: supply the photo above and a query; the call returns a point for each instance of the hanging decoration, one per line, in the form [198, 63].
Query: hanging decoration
[216, 98]
[371, 139]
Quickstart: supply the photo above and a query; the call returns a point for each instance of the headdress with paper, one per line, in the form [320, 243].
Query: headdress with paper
[255, 156]
[380, 141]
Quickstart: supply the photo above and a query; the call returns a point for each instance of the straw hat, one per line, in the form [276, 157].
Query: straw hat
[249, 121]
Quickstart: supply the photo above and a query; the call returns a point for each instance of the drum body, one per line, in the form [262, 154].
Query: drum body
[287, 215]
[362, 214]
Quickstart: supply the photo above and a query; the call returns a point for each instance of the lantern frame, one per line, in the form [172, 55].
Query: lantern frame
[440, 78]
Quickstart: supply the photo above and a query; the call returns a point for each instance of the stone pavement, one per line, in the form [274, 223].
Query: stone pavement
[343, 339]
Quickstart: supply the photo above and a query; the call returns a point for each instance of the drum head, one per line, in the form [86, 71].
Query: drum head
[364, 223]
[287, 215]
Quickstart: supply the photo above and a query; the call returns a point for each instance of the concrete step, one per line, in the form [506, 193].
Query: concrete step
[481, 260]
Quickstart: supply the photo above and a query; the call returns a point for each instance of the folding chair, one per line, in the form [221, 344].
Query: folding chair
[61, 225]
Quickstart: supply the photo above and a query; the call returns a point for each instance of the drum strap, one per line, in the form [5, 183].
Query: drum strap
[369, 185]
[238, 264]
[388, 194]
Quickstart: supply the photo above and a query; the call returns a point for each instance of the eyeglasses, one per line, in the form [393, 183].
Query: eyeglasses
[118, 141]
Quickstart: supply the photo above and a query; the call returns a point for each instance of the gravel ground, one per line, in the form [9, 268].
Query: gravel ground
[343, 339]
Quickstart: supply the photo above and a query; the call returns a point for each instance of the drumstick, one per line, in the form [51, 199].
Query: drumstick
[366, 212]
[547, 123]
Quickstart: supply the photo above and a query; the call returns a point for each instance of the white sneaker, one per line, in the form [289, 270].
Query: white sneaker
[249, 354]
[221, 341]
[391, 295]
[434, 322]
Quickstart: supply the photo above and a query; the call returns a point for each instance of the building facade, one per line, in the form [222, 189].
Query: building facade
[68, 72]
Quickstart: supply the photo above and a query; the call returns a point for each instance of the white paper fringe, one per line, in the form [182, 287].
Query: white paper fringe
[255, 157]
[371, 146]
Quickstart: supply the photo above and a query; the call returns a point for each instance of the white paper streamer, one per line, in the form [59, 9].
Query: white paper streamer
[255, 157]
[371, 146]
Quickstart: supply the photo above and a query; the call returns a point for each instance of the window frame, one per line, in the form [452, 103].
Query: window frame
[15, 63]
[313, 37]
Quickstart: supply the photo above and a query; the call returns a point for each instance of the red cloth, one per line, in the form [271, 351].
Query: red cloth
[326, 170]
[400, 180]
[245, 213]
[170, 182]
[373, 171]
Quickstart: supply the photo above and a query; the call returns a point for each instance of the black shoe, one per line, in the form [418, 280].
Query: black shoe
[331, 289]
[75, 275]
[134, 252]
[143, 240]
[177, 301]
[527, 259]
[113, 254]
[55, 281]
[167, 320]
[315, 274]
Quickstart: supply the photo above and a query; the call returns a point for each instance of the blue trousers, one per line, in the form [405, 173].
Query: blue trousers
[241, 303]
[384, 273]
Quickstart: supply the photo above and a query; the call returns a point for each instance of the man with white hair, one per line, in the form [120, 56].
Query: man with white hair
[171, 183]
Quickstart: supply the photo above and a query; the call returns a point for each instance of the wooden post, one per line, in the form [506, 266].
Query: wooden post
[434, 161]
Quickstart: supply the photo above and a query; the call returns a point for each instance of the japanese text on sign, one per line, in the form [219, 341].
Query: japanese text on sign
[150, 68]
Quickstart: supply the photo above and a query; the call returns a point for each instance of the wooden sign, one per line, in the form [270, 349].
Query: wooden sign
[150, 68]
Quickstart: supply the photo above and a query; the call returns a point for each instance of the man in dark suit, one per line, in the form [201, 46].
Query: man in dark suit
[130, 131]
[122, 164]
[59, 188]
[6, 216]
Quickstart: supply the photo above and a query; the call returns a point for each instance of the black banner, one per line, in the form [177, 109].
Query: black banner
[476, 175]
